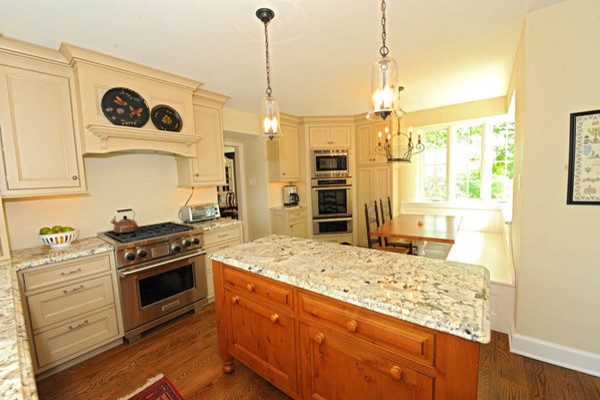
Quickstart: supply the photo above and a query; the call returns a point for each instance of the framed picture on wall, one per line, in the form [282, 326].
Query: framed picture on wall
[584, 159]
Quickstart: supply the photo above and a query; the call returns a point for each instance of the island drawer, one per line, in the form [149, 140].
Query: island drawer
[259, 288]
[40, 277]
[411, 343]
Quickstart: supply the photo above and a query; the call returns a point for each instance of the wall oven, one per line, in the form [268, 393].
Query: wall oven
[332, 225]
[330, 163]
[331, 197]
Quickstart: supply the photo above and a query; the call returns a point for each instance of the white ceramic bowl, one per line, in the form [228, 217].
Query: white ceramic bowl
[59, 240]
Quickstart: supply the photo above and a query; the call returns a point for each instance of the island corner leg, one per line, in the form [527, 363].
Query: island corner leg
[228, 366]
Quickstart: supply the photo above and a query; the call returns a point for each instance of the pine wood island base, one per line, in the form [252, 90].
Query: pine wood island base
[314, 347]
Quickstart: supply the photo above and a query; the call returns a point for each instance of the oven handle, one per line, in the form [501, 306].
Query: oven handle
[316, 189]
[135, 271]
[316, 221]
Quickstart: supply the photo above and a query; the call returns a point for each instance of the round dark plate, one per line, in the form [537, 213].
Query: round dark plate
[125, 107]
[166, 118]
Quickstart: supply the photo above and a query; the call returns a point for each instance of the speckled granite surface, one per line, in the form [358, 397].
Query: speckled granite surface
[17, 380]
[447, 296]
[42, 255]
[216, 224]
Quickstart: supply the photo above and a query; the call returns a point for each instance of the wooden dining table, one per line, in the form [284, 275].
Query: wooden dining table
[420, 228]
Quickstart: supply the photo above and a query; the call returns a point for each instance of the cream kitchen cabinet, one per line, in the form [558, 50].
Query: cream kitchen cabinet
[41, 152]
[218, 239]
[289, 221]
[367, 139]
[283, 154]
[72, 308]
[207, 168]
[4, 245]
[372, 184]
[331, 136]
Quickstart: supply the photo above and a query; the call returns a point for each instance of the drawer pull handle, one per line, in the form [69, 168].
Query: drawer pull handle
[319, 338]
[352, 326]
[250, 287]
[274, 318]
[71, 272]
[235, 300]
[396, 373]
[223, 235]
[84, 323]
[68, 291]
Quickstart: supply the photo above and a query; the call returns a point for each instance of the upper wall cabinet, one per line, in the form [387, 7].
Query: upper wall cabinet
[367, 138]
[96, 73]
[332, 136]
[41, 151]
[207, 168]
[283, 154]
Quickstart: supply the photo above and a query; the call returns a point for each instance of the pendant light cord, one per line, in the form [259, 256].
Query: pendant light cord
[268, 91]
[384, 51]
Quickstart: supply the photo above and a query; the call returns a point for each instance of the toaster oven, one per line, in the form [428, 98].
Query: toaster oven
[199, 212]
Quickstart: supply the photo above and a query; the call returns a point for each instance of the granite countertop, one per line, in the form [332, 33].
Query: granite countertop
[17, 380]
[446, 296]
[215, 224]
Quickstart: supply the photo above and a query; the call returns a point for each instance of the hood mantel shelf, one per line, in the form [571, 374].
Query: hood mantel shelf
[114, 138]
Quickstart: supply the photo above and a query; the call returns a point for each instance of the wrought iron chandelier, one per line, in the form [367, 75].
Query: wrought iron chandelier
[384, 78]
[399, 147]
[271, 122]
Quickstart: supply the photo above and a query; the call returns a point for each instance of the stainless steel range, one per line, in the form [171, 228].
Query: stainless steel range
[162, 274]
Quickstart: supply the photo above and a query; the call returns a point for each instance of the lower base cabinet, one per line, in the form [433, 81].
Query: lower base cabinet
[219, 239]
[314, 347]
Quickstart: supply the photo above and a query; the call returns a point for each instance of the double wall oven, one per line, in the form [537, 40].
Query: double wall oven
[331, 192]
[162, 274]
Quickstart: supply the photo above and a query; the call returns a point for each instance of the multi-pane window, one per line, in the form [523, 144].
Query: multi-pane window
[471, 161]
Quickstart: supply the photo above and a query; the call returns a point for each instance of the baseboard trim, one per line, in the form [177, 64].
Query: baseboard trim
[563, 356]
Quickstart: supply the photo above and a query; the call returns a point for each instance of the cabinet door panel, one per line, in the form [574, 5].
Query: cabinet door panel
[364, 183]
[38, 134]
[339, 136]
[318, 136]
[298, 229]
[208, 166]
[262, 338]
[364, 151]
[382, 182]
[334, 369]
[289, 154]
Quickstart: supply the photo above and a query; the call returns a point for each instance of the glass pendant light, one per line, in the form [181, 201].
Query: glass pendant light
[269, 110]
[384, 79]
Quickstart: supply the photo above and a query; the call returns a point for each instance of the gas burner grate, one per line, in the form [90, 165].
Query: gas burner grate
[148, 232]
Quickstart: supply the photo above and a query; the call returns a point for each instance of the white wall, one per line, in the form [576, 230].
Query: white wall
[145, 182]
[558, 278]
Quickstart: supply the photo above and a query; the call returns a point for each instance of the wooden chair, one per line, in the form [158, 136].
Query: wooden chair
[386, 215]
[372, 221]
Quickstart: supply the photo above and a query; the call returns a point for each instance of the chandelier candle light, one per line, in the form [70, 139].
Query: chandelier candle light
[270, 107]
[399, 152]
[384, 78]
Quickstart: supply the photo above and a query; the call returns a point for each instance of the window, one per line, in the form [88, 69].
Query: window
[469, 161]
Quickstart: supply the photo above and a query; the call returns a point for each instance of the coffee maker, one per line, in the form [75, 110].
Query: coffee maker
[290, 195]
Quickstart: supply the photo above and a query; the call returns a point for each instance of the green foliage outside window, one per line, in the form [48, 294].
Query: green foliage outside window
[468, 174]
[503, 160]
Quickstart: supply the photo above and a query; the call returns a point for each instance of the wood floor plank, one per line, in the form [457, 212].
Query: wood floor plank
[186, 352]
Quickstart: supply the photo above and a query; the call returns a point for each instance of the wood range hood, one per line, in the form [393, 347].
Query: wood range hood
[95, 73]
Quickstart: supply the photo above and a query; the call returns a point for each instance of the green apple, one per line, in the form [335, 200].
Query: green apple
[45, 231]
[57, 228]
[67, 229]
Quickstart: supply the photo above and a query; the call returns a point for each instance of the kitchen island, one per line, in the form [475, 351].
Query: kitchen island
[320, 320]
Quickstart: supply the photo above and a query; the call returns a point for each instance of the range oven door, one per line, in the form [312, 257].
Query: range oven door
[328, 202]
[332, 225]
[150, 291]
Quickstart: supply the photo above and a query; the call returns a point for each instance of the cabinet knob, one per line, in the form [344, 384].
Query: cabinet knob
[196, 174]
[75, 177]
[250, 287]
[235, 300]
[396, 373]
[319, 338]
[283, 173]
[352, 326]
[274, 318]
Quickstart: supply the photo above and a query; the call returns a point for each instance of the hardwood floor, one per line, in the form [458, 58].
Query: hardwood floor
[185, 351]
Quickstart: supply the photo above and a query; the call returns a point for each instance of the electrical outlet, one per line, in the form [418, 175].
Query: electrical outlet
[252, 181]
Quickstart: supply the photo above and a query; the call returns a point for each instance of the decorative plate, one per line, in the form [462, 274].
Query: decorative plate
[166, 118]
[125, 107]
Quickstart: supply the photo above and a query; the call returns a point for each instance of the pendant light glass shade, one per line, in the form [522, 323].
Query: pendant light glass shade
[384, 88]
[269, 116]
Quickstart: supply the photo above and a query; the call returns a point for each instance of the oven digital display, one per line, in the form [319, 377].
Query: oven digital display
[159, 287]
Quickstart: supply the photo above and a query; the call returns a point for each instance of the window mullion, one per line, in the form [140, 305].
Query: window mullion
[450, 178]
[486, 179]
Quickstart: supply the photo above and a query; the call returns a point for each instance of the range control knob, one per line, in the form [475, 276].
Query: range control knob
[187, 243]
[129, 256]
[196, 241]
[142, 253]
[176, 248]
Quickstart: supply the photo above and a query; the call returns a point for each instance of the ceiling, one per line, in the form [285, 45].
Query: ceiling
[449, 51]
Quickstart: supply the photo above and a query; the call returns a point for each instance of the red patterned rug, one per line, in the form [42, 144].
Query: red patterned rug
[157, 388]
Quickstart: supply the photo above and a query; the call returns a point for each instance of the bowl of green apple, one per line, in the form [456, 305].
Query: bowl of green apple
[58, 236]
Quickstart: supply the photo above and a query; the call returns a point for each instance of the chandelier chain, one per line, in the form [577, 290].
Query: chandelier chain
[384, 51]
[269, 90]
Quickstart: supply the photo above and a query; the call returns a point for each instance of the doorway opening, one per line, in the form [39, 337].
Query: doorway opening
[231, 196]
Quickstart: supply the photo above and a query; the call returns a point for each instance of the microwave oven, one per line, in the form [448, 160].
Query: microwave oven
[330, 163]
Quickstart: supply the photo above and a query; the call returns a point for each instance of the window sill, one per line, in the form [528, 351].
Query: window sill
[505, 208]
